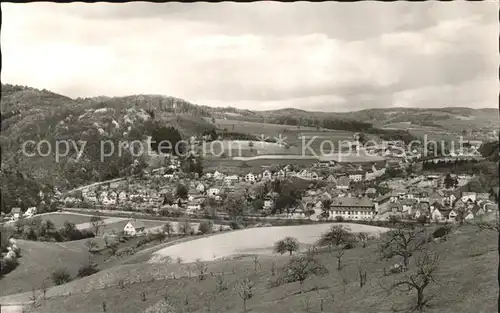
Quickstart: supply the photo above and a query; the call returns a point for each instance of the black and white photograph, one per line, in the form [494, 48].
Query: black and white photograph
[250, 157]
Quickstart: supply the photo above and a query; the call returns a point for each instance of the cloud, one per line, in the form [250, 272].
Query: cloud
[325, 56]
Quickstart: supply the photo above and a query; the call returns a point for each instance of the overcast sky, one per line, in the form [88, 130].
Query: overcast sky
[266, 55]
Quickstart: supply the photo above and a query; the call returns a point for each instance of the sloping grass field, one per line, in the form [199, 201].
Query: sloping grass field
[466, 282]
[39, 260]
[59, 218]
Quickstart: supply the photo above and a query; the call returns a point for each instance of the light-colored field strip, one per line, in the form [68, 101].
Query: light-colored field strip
[253, 240]
[275, 156]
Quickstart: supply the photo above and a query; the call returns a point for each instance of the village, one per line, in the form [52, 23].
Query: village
[329, 190]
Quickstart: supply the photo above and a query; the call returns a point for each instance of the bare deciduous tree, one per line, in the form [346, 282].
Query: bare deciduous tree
[201, 268]
[339, 256]
[336, 236]
[44, 290]
[403, 242]
[244, 288]
[299, 268]
[307, 304]
[256, 262]
[97, 222]
[419, 279]
[344, 282]
[168, 228]
[363, 238]
[273, 268]
[33, 297]
[90, 244]
[362, 276]
[221, 284]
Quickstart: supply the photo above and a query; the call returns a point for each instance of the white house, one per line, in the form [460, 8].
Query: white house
[352, 208]
[200, 187]
[268, 203]
[250, 178]
[281, 174]
[466, 196]
[231, 179]
[134, 227]
[122, 196]
[212, 192]
[357, 176]
[343, 183]
[452, 215]
[267, 175]
[436, 215]
[469, 215]
[169, 176]
[331, 179]
[30, 212]
[16, 213]
[218, 175]
[194, 206]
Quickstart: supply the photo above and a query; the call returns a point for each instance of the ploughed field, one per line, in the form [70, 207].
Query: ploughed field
[250, 241]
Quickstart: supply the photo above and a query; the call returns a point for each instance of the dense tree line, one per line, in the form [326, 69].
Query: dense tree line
[227, 135]
[23, 190]
[171, 137]
[44, 230]
[466, 166]
[490, 150]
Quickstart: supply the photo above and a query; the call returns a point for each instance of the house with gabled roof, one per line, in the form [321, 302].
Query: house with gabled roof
[343, 183]
[452, 215]
[395, 207]
[483, 196]
[16, 213]
[231, 179]
[250, 178]
[408, 205]
[331, 179]
[437, 215]
[352, 208]
[477, 211]
[267, 175]
[490, 207]
[371, 193]
[459, 202]
[218, 175]
[468, 196]
[134, 227]
[436, 197]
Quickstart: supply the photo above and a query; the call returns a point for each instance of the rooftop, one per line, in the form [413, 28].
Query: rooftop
[352, 202]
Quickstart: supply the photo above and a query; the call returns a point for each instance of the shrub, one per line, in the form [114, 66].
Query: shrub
[440, 232]
[7, 265]
[87, 270]
[205, 227]
[61, 276]
[163, 306]
[156, 236]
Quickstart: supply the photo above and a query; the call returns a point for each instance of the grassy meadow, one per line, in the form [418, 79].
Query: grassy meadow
[466, 282]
